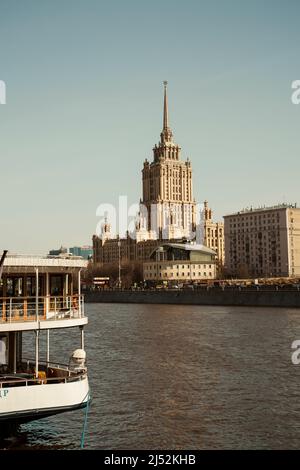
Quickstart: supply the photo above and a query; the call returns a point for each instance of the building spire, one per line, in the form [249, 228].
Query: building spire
[166, 135]
[165, 126]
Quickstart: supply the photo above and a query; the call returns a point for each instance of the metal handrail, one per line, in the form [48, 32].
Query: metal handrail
[40, 381]
[55, 365]
[39, 297]
[72, 376]
[14, 309]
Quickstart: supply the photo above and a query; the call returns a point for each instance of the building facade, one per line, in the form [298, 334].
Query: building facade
[109, 249]
[263, 242]
[212, 235]
[177, 262]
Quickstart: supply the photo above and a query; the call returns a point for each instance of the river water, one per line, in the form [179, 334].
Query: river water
[179, 377]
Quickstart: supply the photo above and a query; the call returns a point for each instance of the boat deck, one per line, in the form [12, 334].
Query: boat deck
[48, 374]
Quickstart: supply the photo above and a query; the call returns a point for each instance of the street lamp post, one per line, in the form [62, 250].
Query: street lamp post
[119, 282]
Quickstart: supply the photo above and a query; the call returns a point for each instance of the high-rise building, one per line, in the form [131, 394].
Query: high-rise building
[263, 242]
[167, 188]
[167, 208]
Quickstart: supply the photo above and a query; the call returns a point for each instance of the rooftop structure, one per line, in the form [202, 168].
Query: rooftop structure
[282, 205]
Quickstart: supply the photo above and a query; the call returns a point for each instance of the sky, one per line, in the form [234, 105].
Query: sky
[84, 99]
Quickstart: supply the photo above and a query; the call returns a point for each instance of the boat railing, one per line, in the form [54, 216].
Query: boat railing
[54, 373]
[10, 381]
[16, 309]
[29, 364]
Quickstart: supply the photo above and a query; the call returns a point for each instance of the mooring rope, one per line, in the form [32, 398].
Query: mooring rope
[85, 420]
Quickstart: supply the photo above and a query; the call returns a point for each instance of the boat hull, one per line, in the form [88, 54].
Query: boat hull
[31, 402]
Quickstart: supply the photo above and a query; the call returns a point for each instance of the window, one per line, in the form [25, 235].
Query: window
[56, 285]
[3, 350]
[14, 286]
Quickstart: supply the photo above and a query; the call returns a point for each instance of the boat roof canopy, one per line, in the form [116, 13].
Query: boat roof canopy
[49, 263]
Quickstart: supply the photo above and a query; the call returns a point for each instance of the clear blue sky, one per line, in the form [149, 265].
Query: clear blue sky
[84, 107]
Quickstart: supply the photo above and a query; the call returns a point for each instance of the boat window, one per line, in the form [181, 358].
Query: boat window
[14, 286]
[3, 350]
[56, 285]
[30, 286]
[9, 286]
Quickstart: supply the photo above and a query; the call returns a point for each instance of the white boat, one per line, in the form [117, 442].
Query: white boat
[42, 295]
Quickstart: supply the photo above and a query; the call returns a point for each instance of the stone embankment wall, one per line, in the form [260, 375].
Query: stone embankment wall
[212, 296]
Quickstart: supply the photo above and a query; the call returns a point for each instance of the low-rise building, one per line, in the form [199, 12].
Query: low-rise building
[181, 262]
